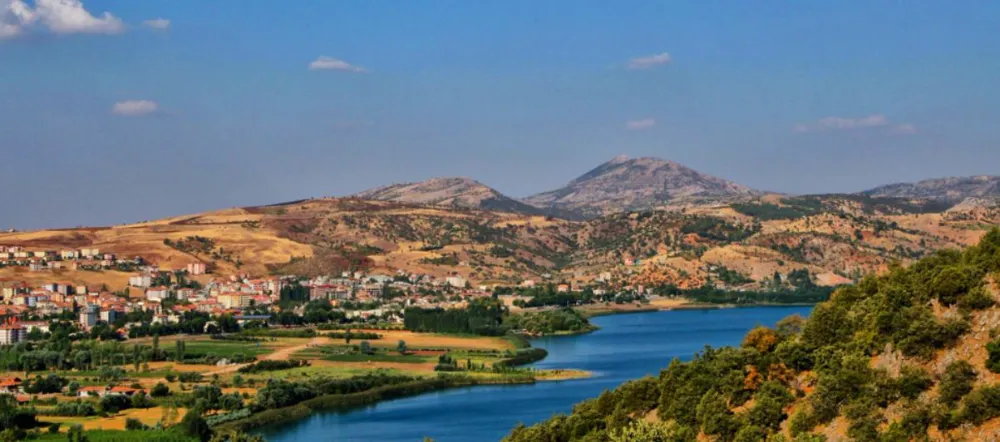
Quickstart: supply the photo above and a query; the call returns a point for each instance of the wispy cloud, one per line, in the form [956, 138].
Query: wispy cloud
[874, 121]
[649, 61]
[19, 17]
[330, 63]
[157, 23]
[134, 108]
[642, 124]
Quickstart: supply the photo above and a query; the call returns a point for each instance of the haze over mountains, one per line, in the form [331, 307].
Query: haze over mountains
[953, 189]
[627, 184]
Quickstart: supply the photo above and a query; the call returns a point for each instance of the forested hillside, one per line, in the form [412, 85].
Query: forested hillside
[912, 354]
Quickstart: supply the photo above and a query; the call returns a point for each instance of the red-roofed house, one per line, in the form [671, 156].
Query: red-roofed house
[10, 385]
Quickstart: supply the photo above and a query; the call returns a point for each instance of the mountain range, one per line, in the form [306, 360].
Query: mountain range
[630, 221]
[953, 189]
[626, 184]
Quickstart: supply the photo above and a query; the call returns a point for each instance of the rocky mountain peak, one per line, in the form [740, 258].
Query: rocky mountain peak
[625, 183]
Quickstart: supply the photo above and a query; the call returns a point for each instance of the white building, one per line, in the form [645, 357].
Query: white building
[142, 281]
[456, 281]
[157, 293]
[89, 315]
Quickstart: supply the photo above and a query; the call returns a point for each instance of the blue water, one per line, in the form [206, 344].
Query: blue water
[626, 347]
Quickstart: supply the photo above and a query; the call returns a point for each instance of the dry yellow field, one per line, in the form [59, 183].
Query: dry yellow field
[431, 340]
[148, 416]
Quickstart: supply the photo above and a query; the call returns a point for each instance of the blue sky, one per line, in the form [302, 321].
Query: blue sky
[107, 119]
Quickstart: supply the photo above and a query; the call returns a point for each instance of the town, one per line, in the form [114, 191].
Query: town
[170, 293]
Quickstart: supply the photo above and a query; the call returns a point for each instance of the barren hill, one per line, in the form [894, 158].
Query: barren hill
[624, 184]
[450, 191]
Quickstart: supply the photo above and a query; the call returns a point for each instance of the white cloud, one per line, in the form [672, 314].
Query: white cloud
[134, 108]
[56, 16]
[642, 124]
[650, 61]
[874, 121]
[329, 63]
[15, 15]
[157, 23]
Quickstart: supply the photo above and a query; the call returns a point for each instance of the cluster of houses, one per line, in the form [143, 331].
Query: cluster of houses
[15, 386]
[216, 296]
[72, 259]
[359, 294]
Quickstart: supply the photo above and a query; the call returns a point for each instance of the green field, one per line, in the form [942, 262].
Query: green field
[227, 348]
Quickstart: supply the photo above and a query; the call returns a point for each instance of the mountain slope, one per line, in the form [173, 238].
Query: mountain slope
[624, 184]
[450, 191]
[834, 238]
[908, 355]
[953, 189]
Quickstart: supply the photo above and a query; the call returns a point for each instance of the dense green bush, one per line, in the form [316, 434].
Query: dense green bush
[189, 376]
[75, 408]
[523, 357]
[114, 403]
[549, 321]
[912, 381]
[273, 365]
[484, 316]
[956, 382]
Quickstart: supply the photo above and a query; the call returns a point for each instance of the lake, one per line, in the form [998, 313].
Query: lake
[628, 346]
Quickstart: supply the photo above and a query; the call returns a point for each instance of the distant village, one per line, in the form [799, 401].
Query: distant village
[169, 293]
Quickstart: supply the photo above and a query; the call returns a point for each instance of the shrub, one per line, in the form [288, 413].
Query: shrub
[190, 376]
[273, 365]
[912, 381]
[750, 433]
[133, 424]
[956, 382]
[114, 403]
[76, 408]
[981, 405]
[159, 390]
[140, 400]
[194, 425]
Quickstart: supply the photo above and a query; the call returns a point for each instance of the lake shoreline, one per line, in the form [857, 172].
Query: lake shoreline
[607, 359]
[597, 312]
[341, 403]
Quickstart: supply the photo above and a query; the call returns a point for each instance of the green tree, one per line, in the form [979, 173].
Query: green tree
[194, 425]
[715, 417]
[76, 434]
[179, 350]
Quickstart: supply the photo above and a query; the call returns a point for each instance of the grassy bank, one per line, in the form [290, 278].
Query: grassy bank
[347, 402]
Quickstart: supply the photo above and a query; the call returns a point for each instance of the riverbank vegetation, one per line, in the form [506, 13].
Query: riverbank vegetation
[797, 287]
[877, 362]
[550, 322]
[489, 317]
